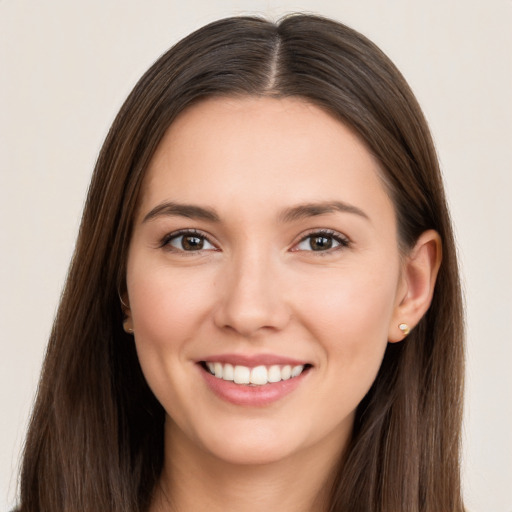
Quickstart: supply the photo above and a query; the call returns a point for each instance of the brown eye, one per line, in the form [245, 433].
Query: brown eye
[192, 243]
[188, 242]
[320, 243]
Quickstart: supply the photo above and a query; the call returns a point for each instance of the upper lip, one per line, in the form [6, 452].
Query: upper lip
[252, 360]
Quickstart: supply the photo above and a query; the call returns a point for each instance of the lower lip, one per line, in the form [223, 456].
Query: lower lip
[255, 396]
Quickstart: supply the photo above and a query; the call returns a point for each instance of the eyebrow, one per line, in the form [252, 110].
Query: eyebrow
[313, 209]
[291, 214]
[182, 210]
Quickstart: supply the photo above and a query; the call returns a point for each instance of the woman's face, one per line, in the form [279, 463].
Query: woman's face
[264, 250]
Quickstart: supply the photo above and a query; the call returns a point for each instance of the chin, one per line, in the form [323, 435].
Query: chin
[247, 452]
[248, 443]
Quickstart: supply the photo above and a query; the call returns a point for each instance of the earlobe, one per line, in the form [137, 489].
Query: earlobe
[127, 315]
[127, 326]
[419, 276]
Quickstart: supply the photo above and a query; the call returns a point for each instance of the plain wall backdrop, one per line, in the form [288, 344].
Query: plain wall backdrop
[66, 67]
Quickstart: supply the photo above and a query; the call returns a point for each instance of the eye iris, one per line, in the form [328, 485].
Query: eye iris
[192, 243]
[320, 243]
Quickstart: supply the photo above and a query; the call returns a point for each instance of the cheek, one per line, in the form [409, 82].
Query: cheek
[351, 325]
[349, 315]
[167, 308]
[350, 304]
[167, 305]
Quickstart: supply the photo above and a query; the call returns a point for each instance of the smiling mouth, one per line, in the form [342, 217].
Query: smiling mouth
[254, 376]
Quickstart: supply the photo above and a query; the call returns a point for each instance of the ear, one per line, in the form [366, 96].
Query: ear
[419, 274]
[127, 313]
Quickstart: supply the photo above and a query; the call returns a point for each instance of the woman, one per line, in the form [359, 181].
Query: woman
[263, 310]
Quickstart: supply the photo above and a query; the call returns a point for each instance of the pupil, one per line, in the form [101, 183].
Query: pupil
[319, 243]
[191, 243]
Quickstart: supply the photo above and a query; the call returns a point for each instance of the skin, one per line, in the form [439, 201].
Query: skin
[257, 287]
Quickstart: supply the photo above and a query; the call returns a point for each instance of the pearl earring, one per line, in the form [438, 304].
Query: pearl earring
[127, 329]
[404, 328]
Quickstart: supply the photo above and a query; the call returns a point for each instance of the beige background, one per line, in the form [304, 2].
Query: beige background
[65, 68]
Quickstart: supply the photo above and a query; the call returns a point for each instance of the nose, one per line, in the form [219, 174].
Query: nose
[252, 296]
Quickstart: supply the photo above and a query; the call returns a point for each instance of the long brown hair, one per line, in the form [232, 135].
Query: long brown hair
[96, 436]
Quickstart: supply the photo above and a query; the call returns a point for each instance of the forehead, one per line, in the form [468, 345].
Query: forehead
[268, 151]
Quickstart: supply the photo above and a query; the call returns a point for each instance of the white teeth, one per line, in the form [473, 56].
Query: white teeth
[297, 370]
[218, 370]
[286, 372]
[257, 376]
[274, 373]
[242, 375]
[228, 372]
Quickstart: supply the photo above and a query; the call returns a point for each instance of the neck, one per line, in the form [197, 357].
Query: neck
[193, 479]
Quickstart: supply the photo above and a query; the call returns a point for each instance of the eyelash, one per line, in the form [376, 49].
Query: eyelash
[166, 240]
[324, 233]
[342, 240]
